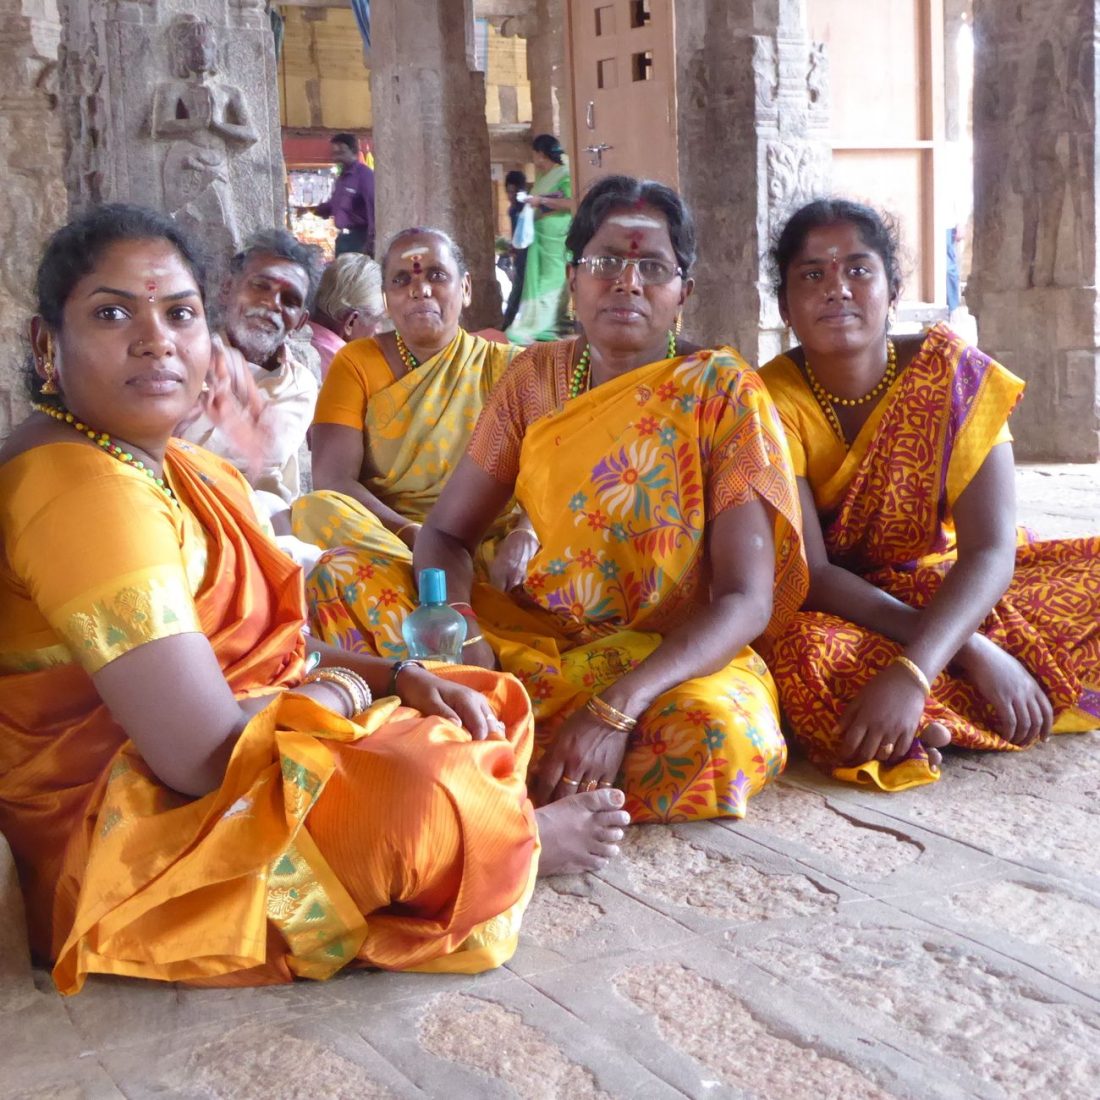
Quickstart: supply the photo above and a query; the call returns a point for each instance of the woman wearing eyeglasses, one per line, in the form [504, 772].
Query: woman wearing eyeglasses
[657, 480]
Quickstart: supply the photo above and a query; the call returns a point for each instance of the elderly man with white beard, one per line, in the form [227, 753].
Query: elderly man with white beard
[260, 398]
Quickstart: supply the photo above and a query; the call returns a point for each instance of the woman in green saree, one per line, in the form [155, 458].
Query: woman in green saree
[542, 306]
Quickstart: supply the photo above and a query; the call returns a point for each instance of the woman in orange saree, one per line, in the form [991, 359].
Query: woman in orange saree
[657, 481]
[183, 801]
[930, 619]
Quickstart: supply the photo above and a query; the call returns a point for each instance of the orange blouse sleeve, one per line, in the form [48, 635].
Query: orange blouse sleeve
[357, 370]
[100, 550]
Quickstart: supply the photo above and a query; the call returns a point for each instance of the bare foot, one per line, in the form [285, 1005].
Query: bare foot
[934, 737]
[581, 832]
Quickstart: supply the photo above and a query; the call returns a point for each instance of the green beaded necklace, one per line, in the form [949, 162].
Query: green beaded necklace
[579, 379]
[108, 444]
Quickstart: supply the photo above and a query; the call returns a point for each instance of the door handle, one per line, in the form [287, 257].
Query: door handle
[596, 153]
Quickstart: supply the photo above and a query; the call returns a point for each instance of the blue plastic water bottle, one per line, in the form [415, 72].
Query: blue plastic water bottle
[434, 631]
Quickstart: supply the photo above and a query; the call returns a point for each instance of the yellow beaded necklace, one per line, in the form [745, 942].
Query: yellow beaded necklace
[108, 444]
[828, 400]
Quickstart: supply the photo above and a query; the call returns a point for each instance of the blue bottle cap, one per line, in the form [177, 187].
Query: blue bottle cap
[433, 586]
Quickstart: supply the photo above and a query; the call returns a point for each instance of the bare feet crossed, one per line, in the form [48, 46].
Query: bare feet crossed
[581, 832]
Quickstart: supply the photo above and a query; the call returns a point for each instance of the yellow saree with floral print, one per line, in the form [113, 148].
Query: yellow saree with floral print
[389, 841]
[885, 506]
[619, 484]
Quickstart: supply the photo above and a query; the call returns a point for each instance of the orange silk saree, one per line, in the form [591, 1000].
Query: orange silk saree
[389, 841]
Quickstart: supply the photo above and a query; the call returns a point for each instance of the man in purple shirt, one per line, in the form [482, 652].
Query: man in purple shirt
[351, 204]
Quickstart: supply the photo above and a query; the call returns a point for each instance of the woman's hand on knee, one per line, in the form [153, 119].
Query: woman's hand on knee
[433, 695]
[881, 721]
[584, 753]
[1024, 713]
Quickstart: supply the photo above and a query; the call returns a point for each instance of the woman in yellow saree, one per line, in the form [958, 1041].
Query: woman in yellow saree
[656, 478]
[930, 619]
[396, 411]
[183, 801]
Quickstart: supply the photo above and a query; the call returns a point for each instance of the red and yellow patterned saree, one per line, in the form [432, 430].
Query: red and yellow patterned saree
[885, 507]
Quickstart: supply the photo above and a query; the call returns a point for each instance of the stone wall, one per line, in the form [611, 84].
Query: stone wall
[753, 144]
[32, 197]
[174, 103]
[1033, 283]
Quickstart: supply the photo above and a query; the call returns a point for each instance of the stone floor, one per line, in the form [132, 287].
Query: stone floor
[838, 943]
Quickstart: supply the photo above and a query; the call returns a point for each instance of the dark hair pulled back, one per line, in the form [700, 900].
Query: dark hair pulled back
[878, 231]
[75, 249]
[613, 194]
[549, 147]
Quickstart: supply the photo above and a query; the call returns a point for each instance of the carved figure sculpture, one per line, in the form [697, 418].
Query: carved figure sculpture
[201, 117]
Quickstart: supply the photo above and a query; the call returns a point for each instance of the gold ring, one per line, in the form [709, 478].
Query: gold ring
[888, 749]
[603, 784]
[570, 782]
[588, 785]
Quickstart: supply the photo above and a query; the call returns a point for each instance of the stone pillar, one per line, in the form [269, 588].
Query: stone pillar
[546, 71]
[431, 140]
[174, 103]
[32, 197]
[1033, 286]
[752, 109]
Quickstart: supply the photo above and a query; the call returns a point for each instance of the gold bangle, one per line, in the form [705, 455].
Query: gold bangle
[609, 716]
[405, 527]
[915, 671]
[612, 712]
[470, 641]
[357, 689]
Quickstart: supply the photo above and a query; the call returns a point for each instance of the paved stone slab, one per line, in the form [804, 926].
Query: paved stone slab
[937, 944]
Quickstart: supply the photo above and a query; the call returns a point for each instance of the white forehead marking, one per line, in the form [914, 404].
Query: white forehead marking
[635, 221]
[413, 253]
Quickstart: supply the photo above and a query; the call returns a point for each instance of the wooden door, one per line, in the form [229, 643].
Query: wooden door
[622, 60]
[887, 104]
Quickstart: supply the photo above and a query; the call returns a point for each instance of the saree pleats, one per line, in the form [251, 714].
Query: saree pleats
[886, 515]
[388, 841]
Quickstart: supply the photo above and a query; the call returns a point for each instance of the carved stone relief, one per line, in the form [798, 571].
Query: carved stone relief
[198, 119]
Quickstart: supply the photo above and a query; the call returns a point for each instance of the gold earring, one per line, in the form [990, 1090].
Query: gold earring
[49, 386]
[570, 314]
[205, 387]
[679, 326]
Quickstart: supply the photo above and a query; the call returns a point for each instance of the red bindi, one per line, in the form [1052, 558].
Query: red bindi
[152, 289]
[417, 269]
[635, 243]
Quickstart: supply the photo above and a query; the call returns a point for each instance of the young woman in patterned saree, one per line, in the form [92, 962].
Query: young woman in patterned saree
[183, 801]
[930, 620]
[657, 481]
